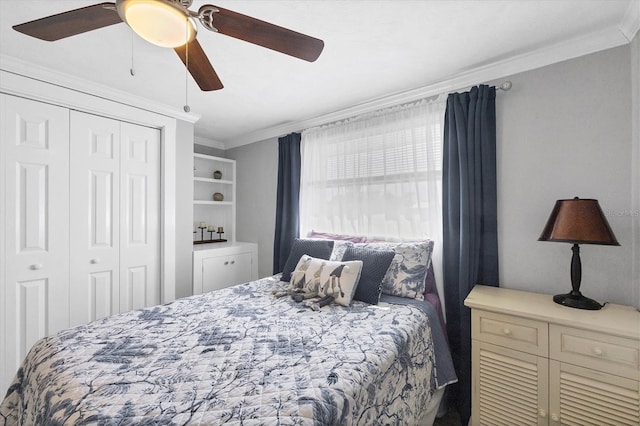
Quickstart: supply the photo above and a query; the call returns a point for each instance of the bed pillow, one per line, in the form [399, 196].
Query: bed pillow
[339, 247]
[315, 248]
[375, 264]
[407, 272]
[329, 278]
[337, 237]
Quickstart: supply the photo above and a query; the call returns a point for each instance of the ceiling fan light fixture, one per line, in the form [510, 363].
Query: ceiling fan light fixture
[161, 22]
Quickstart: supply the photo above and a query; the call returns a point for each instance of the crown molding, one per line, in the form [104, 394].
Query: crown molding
[35, 72]
[541, 57]
[630, 23]
[198, 140]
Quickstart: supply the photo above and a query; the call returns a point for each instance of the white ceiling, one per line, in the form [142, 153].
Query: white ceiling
[373, 50]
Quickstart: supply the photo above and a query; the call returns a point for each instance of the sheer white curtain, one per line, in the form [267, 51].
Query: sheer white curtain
[378, 175]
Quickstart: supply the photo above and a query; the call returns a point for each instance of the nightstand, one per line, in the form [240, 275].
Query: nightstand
[539, 363]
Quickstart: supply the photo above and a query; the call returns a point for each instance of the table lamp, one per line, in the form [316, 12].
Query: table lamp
[578, 221]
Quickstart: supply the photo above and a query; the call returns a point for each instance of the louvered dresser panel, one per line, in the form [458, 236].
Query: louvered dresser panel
[580, 396]
[510, 386]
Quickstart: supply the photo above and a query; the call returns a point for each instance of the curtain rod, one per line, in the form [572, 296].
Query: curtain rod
[506, 86]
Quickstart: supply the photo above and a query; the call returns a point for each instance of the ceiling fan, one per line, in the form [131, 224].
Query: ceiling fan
[170, 23]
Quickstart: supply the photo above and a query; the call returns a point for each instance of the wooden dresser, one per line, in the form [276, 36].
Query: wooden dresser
[535, 362]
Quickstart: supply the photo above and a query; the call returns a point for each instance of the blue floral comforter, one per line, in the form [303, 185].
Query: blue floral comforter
[238, 356]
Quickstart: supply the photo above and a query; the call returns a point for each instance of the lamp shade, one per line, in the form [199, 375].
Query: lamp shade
[578, 221]
[160, 22]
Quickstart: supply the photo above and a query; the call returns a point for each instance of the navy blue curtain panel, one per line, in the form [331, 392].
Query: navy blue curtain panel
[470, 244]
[287, 209]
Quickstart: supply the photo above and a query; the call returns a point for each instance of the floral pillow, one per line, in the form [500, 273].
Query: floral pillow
[320, 277]
[407, 272]
[339, 248]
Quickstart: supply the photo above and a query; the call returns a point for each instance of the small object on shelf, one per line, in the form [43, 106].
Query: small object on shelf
[211, 230]
[202, 227]
[217, 174]
[218, 196]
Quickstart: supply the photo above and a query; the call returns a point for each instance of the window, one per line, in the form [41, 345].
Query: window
[378, 175]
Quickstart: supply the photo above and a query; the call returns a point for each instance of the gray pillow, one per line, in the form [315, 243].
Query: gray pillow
[375, 264]
[320, 249]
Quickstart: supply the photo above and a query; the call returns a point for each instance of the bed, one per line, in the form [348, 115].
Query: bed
[239, 356]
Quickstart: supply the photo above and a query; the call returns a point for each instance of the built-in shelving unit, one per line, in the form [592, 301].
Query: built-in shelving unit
[218, 264]
[205, 209]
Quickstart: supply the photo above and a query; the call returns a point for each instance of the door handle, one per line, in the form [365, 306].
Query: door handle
[35, 266]
[95, 261]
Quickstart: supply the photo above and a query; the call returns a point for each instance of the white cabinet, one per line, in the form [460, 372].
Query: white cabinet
[224, 266]
[536, 362]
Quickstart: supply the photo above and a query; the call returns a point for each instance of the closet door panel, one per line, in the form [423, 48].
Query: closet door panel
[140, 217]
[95, 217]
[35, 162]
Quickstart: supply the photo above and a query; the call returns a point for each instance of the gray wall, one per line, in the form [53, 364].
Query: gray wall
[184, 208]
[563, 131]
[256, 190]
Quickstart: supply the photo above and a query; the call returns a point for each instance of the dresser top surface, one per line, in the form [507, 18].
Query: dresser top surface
[614, 319]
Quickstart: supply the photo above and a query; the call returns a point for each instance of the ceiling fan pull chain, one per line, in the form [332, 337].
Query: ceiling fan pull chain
[186, 77]
[132, 70]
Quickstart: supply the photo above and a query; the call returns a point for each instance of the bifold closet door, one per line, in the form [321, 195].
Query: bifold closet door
[34, 287]
[139, 217]
[115, 212]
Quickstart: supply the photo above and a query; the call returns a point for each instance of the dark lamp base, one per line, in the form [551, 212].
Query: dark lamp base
[577, 300]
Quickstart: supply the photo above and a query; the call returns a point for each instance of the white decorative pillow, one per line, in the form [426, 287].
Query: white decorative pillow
[328, 278]
[408, 270]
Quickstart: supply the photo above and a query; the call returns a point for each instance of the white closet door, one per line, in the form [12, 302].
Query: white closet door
[35, 139]
[140, 217]
[95, 217]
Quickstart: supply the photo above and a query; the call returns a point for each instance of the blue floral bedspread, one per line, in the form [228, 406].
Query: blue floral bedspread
[237, 356]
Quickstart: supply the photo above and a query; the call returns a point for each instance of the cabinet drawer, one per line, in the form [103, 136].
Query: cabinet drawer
[510, 331]
[611, 354]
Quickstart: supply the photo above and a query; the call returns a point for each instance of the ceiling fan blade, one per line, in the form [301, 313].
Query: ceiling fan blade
[264, 34]
[199, 66]
[67, 24]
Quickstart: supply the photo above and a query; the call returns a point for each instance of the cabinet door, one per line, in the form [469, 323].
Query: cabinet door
[581, 396]
[95, 217]
[224, 271]
[35, 165]
[508, 387]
